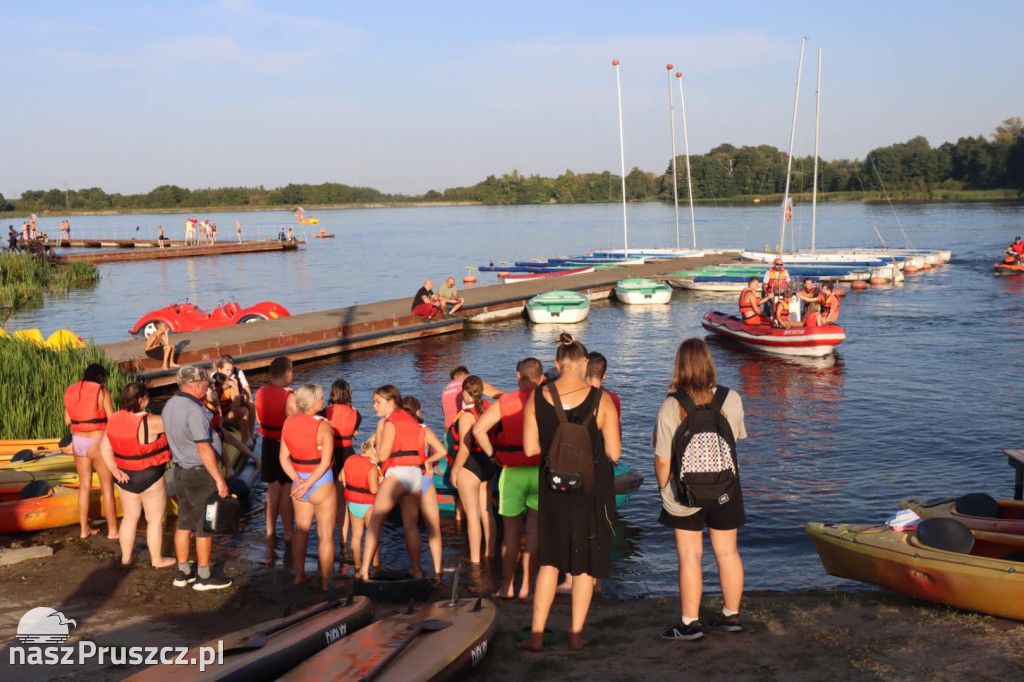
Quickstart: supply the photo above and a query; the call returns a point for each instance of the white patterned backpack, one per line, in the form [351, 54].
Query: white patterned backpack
[704, 469]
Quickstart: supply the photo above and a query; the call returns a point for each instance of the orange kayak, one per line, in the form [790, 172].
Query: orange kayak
[57, 508]
[9, 448]
[11, 482]
[977, 511]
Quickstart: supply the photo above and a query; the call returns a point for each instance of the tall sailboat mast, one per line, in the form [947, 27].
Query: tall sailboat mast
[686, 148]
[817, 126]
[672, 121]
[622, 159]
[792, 136]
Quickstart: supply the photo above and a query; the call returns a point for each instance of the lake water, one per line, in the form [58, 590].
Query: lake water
[919, 401]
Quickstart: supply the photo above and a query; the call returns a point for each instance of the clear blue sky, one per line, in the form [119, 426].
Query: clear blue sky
[409, 96]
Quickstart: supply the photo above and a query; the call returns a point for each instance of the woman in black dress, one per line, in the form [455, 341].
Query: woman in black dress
[575, 529]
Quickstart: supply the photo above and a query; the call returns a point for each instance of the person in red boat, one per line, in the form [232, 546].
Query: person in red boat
[750, 304]
[1016, 250]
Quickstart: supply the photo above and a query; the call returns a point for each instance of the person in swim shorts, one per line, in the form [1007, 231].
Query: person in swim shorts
[159, 345]
[135, 450]
[307, 453]
[86, 406]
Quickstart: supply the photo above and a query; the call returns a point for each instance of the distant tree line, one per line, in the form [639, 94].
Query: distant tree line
[726, 172]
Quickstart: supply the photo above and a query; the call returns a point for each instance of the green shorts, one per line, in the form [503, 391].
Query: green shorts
[517, 490]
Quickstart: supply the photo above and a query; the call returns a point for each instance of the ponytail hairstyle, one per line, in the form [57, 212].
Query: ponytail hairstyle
[341, 393]
[569, 350]
[474, 386]
[694, 371]
[411, 404]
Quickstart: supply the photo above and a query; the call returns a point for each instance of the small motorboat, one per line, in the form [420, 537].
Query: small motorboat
[943, 561]
[640, 291]
[1009, 266]
[814, 341]
[977, 511]
[185, 317]
[558, 307]
[513, 277]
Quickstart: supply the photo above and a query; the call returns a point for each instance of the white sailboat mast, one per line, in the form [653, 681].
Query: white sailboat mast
[792, 137]
[817, 126]
[622, 159]
[672, 121]
[686, 148]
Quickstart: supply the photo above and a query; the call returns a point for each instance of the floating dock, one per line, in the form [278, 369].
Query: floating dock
[308, 336]
[123, 250]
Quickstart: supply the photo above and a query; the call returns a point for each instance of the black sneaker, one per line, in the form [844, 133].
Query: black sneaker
[727, 623]
[181, 579]
[214, 582]
[690, 632]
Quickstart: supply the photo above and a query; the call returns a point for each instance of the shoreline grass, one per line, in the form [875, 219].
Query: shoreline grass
[24, 279]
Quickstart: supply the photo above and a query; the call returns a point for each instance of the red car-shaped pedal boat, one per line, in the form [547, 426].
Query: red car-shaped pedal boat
[185, 317]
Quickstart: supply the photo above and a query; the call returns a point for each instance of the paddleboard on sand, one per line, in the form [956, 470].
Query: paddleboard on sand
[268, 650]
[440, 641]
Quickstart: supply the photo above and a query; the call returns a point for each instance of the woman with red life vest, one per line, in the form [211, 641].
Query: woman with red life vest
[362, 481]
[345, 421]
[402, 450]
[750, 304]
[472, 471]
[134, 449]
[86, 406]
[813, 317]
[274, 403]
[830, 304]
[781, 317]
[307, 453]
[430, 510]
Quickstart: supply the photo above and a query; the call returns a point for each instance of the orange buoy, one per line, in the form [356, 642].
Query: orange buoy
[859, 285]
[910, 270]
[875, 281]
[926, 266]
[940, 262]
[469, 279]
[840, 292]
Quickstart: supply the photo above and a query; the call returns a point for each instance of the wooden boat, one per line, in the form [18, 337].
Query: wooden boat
[640, 291]
[56, 508]
[47, 461]
[815, 341]
[942, 561]
[268, 650]
[977, 511]
[554, 307]
[513, 277]
[440, 641]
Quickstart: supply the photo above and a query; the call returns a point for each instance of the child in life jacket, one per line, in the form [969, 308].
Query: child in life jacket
[361, 475]
[782, 314]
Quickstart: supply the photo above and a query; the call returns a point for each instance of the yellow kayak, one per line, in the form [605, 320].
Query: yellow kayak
[13, 480]
[52, 461]
[977, 511]
[8, 448]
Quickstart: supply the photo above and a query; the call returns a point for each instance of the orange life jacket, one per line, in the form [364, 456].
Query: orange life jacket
[746, 309]
[81, 400]
[299, 434]
[508, 442]
[782, 310]
[270, 408]
[831, 307]
[343, 420]
[409, 448]
[132, 455]
[777, 282]
[357, 480]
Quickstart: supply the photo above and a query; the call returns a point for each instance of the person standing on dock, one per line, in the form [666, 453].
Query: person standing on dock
[195, 450]
[425, 303]
[518, 485]
[190, 230]
[238, 230]
[275, 402]
[448, 296]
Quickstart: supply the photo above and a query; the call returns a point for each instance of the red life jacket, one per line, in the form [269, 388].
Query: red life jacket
[81, 400]
[343, 420]
[508, 442]
[831, 308]
[812, 320]
[746, 309]
[270, 408]
[132, 455]
[409, 448]
[454, 429]
[451, 401]
[1017, 248]
[357, 479]
[299, 434]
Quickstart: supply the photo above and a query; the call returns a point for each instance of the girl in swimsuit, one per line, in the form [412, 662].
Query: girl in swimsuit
[473, 471]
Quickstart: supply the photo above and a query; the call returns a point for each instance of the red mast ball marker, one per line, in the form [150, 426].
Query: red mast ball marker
[669, 67]
[615, 62]
[679, 74]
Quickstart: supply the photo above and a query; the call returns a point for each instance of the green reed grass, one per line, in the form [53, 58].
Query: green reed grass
[24, 278]
[32, 384]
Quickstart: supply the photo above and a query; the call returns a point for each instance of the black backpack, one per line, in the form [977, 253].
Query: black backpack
[704, 469]
[571, 454]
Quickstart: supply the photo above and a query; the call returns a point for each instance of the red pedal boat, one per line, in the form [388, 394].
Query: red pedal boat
[185, 317]
[816, 341]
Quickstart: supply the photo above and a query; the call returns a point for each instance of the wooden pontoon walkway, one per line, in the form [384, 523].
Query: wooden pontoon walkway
[308, 336]
[121, 250]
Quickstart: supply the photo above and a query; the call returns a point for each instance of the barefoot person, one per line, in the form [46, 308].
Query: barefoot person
[575, 527]
[195, 451]
[307, 454]
[449, 298]
[362, 480]
[344, 420]
[695, 377]
[472, 471]
[402, 451]
[86, 406]
[430, 510]
[425, 303]
[517, 486]
[275, 402]
[135, 450]
[159, 345]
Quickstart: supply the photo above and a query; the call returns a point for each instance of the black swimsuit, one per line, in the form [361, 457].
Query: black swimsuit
[140, 481]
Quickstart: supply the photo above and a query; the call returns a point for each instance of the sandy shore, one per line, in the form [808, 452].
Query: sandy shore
[859, 635]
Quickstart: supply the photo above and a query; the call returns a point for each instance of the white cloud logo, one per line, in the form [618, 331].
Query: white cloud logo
[43, 625]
